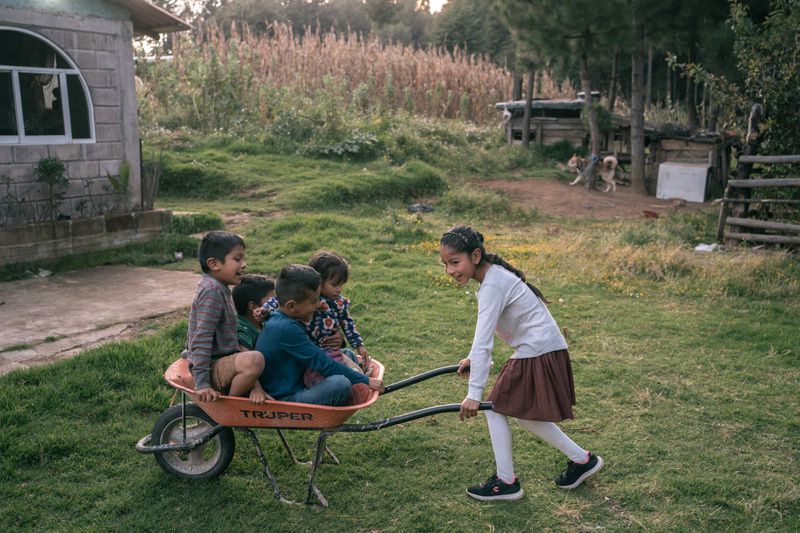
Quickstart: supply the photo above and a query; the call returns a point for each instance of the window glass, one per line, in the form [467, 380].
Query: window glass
[78, 108]
[41, 104]
[22, 50]
[8, 120]
[40, 90]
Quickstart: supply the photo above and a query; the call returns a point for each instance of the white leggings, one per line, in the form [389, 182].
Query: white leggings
[500, 432]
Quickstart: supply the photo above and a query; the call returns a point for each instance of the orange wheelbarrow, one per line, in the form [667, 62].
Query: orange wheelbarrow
[196, 440]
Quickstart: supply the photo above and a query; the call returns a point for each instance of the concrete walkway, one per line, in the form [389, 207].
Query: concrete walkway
[45, 319]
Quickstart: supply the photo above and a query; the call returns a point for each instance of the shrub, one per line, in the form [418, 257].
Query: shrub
[52, 173]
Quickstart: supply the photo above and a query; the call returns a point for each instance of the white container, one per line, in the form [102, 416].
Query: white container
[686, 181]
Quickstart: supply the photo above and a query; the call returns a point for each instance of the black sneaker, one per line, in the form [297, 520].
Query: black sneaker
[496, 489]
[577, 473]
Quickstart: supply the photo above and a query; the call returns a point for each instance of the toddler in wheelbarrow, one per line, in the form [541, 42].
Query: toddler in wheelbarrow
[288, 351]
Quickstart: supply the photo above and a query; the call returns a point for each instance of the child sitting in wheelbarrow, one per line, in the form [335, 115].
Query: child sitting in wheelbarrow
[330, 319]
[212, 347]
[288, 351]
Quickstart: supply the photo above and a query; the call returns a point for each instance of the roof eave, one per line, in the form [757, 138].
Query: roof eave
[149, 19]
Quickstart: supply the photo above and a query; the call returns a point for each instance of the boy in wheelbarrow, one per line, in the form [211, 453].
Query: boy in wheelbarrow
[288, 351]
[212, 344]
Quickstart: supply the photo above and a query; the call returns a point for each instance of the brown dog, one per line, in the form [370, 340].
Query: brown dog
[605, 171]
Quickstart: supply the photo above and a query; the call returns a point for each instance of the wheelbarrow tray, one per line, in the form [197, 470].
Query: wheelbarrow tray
[238, 412]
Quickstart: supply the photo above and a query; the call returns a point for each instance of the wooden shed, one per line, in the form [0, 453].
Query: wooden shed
[672, 143]
[551, 121]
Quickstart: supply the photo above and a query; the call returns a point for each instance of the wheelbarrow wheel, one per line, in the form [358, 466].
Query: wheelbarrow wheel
[206, 461]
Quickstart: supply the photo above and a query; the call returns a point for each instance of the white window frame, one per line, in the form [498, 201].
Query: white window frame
[21, 137]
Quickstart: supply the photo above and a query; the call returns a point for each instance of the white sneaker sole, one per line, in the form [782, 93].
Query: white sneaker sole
[503, 497]
[586, 475]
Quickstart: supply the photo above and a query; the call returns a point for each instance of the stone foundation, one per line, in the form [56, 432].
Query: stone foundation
[49, 240]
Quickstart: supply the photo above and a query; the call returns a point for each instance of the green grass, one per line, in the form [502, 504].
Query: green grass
[687, 373]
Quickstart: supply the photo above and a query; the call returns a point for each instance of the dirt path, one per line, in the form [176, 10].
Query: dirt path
[553, 198]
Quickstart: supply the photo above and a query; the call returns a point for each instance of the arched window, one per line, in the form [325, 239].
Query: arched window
[43, 97]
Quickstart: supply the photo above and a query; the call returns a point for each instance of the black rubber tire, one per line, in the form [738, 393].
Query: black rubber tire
[204, 462]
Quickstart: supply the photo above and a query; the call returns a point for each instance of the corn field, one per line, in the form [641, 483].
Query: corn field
[218, 82]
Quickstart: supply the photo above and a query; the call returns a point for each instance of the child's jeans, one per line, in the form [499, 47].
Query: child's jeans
[311, 378]
[333, 390]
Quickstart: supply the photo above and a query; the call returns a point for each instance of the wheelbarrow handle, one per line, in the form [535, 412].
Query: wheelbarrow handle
[413, 415]
[420, 377]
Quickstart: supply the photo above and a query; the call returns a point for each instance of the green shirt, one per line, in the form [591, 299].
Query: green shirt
[248, 334]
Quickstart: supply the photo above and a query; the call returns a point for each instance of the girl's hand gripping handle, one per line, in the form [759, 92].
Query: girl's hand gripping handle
[463, 368]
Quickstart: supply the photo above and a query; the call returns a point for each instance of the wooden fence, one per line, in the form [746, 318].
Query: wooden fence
[734, 222]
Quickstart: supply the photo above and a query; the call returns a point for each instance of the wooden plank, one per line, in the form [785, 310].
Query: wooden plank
[776, 182]
[562, 135]
[769, 159]
[789, 201]
[559, 127]
[547, 141]
[775, 239]
[570, 121]
[762, 224]
[680, 144]
[724, 211]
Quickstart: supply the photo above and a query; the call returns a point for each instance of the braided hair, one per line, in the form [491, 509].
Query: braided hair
[465, 239]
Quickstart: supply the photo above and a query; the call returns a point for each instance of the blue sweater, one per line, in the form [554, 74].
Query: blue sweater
[288, 352]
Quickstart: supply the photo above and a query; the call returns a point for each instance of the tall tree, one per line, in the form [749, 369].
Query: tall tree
[637, 100]
[555, 28]
[767, 54]
[474, 26]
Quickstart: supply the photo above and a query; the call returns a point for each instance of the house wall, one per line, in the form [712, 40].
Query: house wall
[101, 47]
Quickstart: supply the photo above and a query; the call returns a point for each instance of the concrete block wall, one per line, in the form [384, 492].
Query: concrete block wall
[34, 242]
[102, 50]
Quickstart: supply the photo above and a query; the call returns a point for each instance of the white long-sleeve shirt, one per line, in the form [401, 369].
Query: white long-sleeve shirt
[507, 306]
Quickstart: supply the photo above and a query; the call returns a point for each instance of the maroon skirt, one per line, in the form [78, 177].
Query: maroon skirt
[535, 388]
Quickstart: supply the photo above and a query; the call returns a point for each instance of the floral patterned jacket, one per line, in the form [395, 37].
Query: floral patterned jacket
[333, 313]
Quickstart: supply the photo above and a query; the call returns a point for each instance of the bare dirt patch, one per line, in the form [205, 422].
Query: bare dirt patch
[553, 198]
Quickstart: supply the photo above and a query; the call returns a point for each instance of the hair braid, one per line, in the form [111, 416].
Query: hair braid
[497, 260]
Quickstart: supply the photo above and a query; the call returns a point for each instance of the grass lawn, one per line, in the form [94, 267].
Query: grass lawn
[686, 367]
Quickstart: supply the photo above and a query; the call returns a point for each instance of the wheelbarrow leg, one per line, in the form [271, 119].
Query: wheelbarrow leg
[267, 472]
[318, 451]
[288, 449]
[294, 458]
[332, 456]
